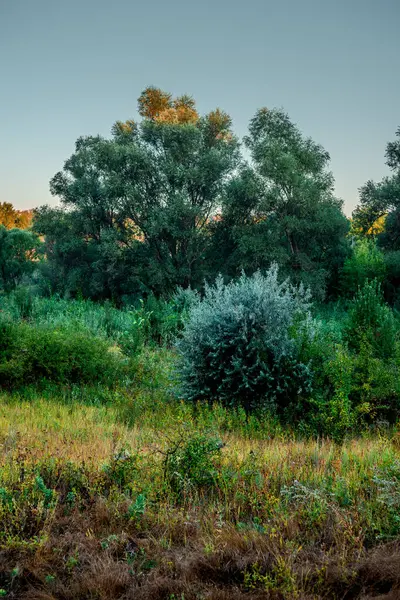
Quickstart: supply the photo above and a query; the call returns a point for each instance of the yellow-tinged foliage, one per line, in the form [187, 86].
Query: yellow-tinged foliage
[152, 102]
[12, 218]
[159, 106]
[378, 226]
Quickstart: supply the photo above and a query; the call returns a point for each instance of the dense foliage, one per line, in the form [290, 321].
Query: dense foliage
[283, 209]
[151, 216]
[19, 253]
[191, 319]
[171, 201]
[238, 346]
[136, 207]
[382, 199]
[39, 354]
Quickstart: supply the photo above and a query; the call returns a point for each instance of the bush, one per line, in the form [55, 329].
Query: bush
[165, 318]
[356, 370]
[189, 463]
[371, 321]
[328, 410]
[366, 263]
[375, 392]
[30, 354]
[238, 344]
[126, 328]
[392, 284]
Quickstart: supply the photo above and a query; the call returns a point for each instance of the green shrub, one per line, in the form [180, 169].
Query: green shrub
[356, 374]
[375, 392]
[328, 410]
[165, 318]
[238, 344]
[356, 371]
[366, 263]
[189, 463]
[126, 328]
[371, 321]
[122, 469]
[30, 354]
[338, 415]
[392, 284]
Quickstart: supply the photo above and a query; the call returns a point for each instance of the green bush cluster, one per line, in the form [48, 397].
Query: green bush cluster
[149, 321]
[356, 367]
[252, 343]
[367, 262]
[32, 354]
[189, 464]
[241, 343]
[126, 327]
[371, 321]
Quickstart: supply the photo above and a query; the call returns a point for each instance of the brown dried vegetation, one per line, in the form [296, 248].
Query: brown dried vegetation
[93, 519]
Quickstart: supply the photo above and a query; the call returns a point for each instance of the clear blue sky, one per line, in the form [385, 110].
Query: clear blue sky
[73, 67]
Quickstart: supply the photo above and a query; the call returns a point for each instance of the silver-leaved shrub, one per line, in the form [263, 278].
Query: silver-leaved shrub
[241, 343]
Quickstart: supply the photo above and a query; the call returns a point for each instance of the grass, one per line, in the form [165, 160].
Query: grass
[188, 503]
[123, 492]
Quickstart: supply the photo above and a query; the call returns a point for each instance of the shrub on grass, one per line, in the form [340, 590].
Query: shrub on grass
[123, 327]
[366, 263]
[189, 463]
[241, 343]
[30, 354]
[371, 321]
[357, 373]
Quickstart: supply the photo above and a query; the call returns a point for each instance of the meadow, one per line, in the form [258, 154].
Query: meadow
[118, 489]
[200, 369]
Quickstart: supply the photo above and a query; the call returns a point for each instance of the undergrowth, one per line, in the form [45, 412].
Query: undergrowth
[189, 502]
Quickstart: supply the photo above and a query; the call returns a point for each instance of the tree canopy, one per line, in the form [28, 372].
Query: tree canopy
[10, 217]
[170, 201]
[382, 200]
[282, 208]
[136, 207]
[19, 251]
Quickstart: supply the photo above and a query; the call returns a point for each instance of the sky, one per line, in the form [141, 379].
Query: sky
[73, 68]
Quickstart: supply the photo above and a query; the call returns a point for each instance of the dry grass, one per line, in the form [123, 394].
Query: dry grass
[279, 518]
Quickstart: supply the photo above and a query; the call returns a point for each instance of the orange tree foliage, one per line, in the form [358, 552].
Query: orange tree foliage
[159, 106]
[12, 218]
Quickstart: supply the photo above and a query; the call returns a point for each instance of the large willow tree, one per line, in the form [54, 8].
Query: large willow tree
[135, 208]
[282, 207]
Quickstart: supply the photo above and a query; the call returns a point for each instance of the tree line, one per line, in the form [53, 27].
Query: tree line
[172, 201]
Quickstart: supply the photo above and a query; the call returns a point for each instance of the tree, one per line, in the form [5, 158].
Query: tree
[19, 252]
[369, 217]
[158, 106]
[284, 209]
[10, 217]
[136, 208]
[382, 199]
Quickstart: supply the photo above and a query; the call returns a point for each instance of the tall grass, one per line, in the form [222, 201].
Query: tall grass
[122, 491]
[104, 321]
[92, 506]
